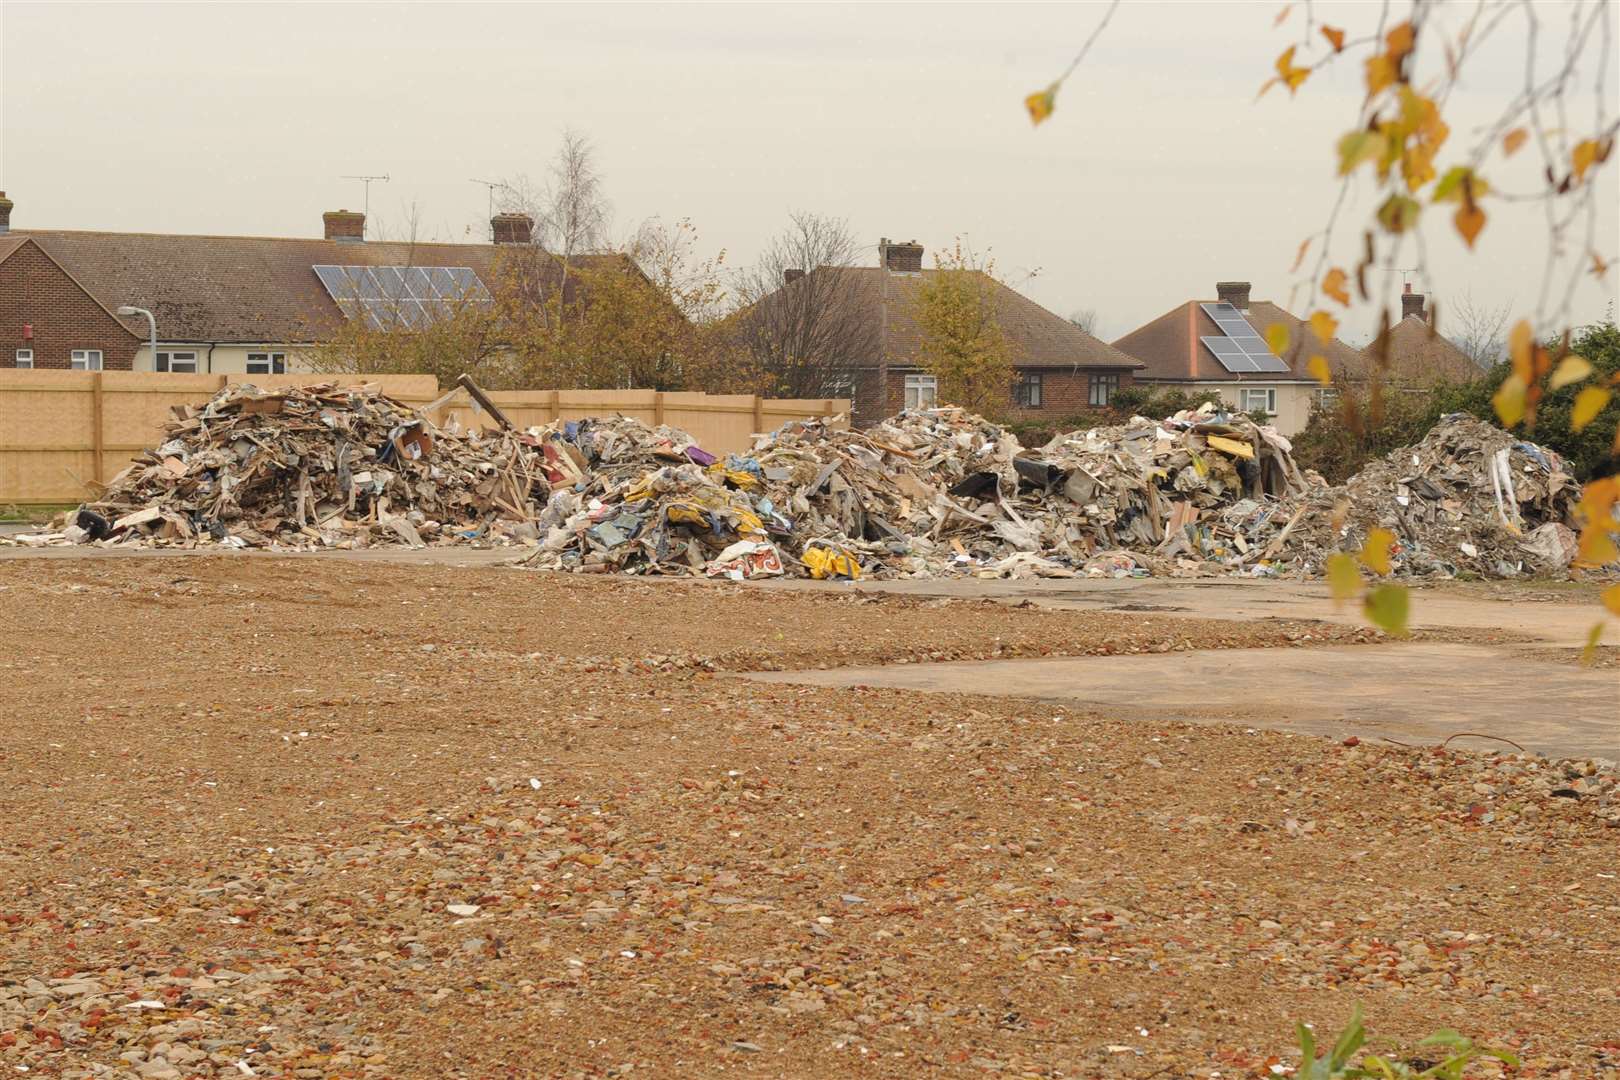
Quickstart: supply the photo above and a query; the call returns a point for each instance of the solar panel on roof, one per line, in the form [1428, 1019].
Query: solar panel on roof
[409, 296]
[1241, 350]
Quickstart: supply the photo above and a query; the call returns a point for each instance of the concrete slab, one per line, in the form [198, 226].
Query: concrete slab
[1418, 693]
[1524, 609]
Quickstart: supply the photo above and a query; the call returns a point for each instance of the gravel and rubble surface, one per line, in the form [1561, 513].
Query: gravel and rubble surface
[316, 819]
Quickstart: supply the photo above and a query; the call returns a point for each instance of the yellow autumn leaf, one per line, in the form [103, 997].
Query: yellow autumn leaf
[1375, 552]
[1597, 547]
[1359, 146]
[1277, 338]
[1611, 599]
[1588, 403]
[1318, 368]
[1583, 157]
[1521, 341]
[1572, 369]
[1593, 636]
[1380, 73]
[1388, 606]
[1508, 401]
[1343, 577]
[1513, 140]
[1470, 220]
[1324, 326]
[1290, 75]
[1041, 103]
[1334, 285]
[1305, 245]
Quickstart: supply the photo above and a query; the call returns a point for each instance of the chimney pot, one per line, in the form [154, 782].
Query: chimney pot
[790, 276]
[347, 226]
[1412, 304]
[511, 228]
[1235, 293]
[5, 213]
[906, 257]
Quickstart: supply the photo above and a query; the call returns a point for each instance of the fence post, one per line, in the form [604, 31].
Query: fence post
[554, 406]
[759, 414]
[658, 408]
[98, 438]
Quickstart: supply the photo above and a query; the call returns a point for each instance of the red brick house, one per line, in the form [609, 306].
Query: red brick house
[49, 320]
[1061, 369]
[231, 304]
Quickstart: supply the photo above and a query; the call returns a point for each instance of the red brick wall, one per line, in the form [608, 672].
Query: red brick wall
[1064, 392]
[34, 290]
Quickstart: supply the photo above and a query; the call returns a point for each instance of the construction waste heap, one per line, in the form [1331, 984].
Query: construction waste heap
[925, 493]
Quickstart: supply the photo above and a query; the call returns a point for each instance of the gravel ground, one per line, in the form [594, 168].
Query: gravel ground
[319, 819]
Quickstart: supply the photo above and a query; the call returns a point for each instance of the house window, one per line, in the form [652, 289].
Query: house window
[1103, 388]
[922, 391]
[1027, 394]
[1258, 399]
[266, 363]
[1327, 397]
[25, 357]
[85, 359]
[184, 362]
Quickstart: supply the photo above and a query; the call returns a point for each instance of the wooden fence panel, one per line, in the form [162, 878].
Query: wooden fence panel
[63, 432]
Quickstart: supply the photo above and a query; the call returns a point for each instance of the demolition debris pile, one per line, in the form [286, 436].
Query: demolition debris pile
[316, 466]
[1468, 497]
[927, 492]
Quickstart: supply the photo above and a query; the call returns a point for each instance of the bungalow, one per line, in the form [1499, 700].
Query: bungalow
[1059, 368]
[222, 304]
[1219, 345]
[1412, 355]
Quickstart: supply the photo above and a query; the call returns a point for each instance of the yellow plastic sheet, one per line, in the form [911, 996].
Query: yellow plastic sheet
[826, 562]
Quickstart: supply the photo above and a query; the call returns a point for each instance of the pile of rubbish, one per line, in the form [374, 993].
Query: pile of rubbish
[1468, 497]
[928, 492]
[315, 466]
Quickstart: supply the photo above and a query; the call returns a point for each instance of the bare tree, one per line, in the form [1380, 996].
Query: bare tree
[1480, 330]
[1085, 319]
[570, 210]
[802, 317]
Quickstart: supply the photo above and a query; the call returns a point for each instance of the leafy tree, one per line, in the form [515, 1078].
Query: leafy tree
[963, 344]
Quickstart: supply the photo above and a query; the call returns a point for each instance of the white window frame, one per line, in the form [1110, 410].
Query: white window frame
[274, 363]
[1104, 385]
[1326, 396]
[167, 358]
[1268, 394]
[25, 358]
[920, 387]
[85, 359]
[1027, 381]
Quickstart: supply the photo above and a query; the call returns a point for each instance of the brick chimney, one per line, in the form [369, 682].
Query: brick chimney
[1235, 293]
[5, 213]
[790, 276]
[893, 255]
[511, 228]
[348, 226]
[1412, 304]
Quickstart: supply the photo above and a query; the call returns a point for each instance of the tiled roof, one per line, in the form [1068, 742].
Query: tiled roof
[233, 288]
[1039, 339]
[1170, 348]
[1419, 356]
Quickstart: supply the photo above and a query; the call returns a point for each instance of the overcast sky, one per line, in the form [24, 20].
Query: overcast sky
[1158, 175]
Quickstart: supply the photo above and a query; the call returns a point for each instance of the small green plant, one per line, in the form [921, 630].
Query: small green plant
[1335, 1065]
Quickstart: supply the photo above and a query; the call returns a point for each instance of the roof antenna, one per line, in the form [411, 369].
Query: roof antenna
[1403, 271]
[492, 185]
[366, 180]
